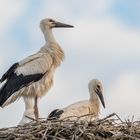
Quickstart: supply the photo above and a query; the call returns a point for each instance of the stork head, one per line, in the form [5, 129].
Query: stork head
[95, 87]
[50, 23]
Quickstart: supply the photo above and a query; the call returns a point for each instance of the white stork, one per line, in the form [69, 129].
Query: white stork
[33, 77]
[84, 108]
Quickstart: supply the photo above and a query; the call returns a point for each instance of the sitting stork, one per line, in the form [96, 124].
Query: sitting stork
[85, 110]
[33, 77]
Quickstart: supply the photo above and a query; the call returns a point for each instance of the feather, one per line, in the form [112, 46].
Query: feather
[15, 83]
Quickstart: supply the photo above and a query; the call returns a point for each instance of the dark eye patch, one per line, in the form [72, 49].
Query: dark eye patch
[98, 86]
[97, 89]
[51, 20]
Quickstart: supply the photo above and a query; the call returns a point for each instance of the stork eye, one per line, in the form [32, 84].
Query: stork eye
[98, 86]
[51, 20]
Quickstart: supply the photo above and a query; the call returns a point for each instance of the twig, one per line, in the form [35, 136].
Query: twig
[30, 118]
[107, 128]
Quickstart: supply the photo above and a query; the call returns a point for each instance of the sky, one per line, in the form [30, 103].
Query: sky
[105, 44]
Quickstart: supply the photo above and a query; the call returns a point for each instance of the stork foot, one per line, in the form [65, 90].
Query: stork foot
[28, 116]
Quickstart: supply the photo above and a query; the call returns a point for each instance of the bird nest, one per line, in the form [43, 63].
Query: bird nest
[110, 127]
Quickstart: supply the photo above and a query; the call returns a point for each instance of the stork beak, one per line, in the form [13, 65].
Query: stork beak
[99, 93]
[59, 24]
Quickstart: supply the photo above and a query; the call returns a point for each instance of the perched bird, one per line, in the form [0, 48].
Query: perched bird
[84, 108]
[33, 77]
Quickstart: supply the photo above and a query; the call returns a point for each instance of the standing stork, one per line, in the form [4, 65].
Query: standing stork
[84, 108]
[33, 77]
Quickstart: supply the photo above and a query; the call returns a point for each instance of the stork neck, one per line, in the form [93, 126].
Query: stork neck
[95, 103]
[93, 96]
[49, 38]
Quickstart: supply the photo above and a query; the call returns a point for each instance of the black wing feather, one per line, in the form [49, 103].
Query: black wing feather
[55, 114]
[16, 82]
[9, 72]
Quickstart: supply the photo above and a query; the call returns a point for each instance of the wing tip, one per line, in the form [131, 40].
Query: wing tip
[55, 114]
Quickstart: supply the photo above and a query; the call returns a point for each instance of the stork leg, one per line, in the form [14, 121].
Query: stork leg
[28, 115]
[36, 108]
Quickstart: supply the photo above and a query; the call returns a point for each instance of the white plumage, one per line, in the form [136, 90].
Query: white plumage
[33, 77]
[82, 108]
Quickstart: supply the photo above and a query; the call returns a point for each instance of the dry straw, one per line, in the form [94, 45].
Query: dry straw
[110, 127]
